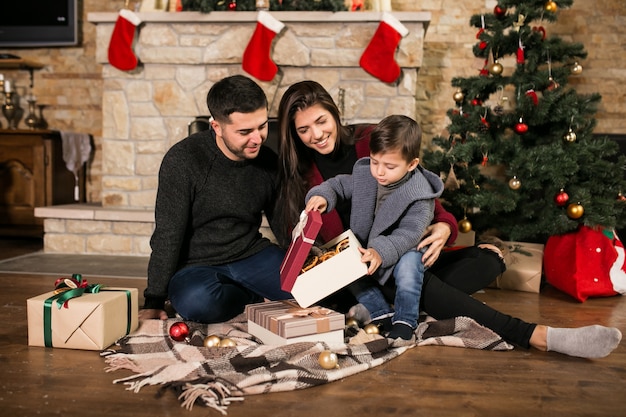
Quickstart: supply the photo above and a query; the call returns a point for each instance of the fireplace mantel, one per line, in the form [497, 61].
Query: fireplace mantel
[214, 17]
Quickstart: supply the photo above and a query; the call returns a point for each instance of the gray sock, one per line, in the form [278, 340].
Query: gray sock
[360, 313]
[586, 342]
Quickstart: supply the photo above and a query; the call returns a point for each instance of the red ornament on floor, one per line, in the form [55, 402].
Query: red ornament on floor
[179, 331]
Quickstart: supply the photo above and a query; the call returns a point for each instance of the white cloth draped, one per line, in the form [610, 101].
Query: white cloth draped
[76, 151]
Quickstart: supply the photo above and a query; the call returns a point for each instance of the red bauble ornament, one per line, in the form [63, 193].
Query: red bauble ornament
[179, 331]
[561, 198]
[232, 5]
[521, 127]
[499, 11]
[482, 45]
[477, 102]
[552, 84]
[541, 30]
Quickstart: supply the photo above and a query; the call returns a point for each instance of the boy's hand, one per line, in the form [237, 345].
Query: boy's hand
[370, 255]
[316, 203]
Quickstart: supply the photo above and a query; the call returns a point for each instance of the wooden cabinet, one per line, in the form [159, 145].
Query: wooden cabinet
[32, 174]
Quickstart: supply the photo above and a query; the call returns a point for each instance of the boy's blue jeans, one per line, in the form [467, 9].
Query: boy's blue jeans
[409, 277]
[213, 294]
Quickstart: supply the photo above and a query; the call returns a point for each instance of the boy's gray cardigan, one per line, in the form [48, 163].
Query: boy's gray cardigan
[401, 219]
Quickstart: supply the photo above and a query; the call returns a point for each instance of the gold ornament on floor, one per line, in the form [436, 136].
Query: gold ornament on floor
[371, 329]
[465, 226]
[352, 322]
[575, 211]
[570, 136]
[328, 360]
[212, 341]
[551, 7]
[226, 342]
[577, 69]
[514, 183]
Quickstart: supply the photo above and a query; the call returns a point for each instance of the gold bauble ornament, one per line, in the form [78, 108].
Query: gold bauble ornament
[212, 341]
[458, 96]
[496, 68]
[352, 322]
[577, 69]
[551, 6]
[570, 136]
[328, 359]
[371, 329]
[226, 342]
[514, 183]
[575, 211]
[465, 226]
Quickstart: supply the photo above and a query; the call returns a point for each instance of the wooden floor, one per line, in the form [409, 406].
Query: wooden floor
[425, 381]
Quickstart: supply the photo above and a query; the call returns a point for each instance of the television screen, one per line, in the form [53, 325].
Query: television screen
[38, 23]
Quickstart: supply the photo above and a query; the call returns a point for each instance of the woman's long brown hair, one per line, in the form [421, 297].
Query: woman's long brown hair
[295, 159]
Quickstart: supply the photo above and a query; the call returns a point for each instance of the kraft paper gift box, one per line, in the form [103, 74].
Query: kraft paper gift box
[326, 277]
[92, 321]
[524, 263]
[285, 322]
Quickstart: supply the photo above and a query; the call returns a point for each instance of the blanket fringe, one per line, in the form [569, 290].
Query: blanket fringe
[215, 395]
[116, 363]
[136, 382]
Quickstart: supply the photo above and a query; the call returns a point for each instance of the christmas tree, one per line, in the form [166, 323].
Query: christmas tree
[520, 157]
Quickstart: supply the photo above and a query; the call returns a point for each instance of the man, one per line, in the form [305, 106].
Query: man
[208, 257]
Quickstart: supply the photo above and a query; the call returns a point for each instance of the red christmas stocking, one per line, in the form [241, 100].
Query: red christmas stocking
[378, 59]
[256, 59]
[121, 54]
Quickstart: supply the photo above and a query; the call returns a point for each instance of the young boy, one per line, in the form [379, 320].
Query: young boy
[392, 200]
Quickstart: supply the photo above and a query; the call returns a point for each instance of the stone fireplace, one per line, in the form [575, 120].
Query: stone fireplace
[182, 54]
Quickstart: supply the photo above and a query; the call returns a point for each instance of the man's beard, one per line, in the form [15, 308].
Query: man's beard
[240, 152]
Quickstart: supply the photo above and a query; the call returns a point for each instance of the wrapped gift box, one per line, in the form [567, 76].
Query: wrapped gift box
[326, 277]
[284, 322]
[304, 235]
[91, 321]
[523, 267]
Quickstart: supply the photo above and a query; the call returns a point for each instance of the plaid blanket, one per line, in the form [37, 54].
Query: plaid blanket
[215, 377]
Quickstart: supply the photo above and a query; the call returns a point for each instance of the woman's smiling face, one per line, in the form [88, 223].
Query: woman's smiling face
[316, 128]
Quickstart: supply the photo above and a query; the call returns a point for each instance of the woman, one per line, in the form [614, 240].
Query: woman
[314, 145]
